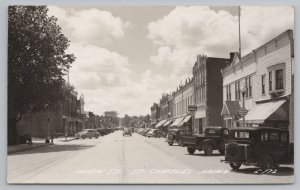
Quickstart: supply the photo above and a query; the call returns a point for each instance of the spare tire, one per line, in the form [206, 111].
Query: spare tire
[233, 152]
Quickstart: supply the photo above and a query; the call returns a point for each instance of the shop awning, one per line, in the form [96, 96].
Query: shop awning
[167, 123]
[160, 123]
[231, 108]
[177, 121]
[269, 112]
[186, 119]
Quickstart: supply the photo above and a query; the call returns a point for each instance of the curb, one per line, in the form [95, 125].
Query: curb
[27, 148]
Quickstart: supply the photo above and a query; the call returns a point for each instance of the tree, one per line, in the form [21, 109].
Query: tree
[37, 62]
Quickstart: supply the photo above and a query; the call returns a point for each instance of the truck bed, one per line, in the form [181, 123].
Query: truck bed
[191, 140]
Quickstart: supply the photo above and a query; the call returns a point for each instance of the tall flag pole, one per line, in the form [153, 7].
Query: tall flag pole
[240, 53]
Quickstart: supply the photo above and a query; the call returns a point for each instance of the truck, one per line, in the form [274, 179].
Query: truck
[214, 138]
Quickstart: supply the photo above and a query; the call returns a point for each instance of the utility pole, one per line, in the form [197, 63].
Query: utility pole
[240, 51]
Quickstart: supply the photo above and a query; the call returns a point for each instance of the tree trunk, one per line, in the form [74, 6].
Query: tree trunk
[12, 133]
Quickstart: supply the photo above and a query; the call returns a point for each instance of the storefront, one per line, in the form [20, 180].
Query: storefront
[176, 122]
[274, 113]
[200, 120]
[160, 124]
[230, 113]
[186, 123]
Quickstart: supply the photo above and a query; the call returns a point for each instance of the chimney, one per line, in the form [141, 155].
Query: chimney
[231, 56]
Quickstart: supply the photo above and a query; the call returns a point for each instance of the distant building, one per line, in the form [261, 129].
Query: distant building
[110, 113]
[183, 97]
[155, 114]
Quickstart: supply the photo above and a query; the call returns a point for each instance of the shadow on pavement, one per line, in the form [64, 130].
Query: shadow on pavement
[280, 171]
[202, 154]
[53, 148]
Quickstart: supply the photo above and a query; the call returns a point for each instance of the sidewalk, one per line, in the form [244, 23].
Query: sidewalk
[24, 147]
[37, 143]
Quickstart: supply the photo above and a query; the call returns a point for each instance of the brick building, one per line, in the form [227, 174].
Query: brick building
[63, 118]
[183, 97]
[155, 114]
[208, 92]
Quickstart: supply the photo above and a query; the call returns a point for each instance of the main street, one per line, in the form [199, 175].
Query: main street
[137, 159]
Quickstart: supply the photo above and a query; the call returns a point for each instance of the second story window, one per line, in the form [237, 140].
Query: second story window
[279, 79]
[250, 87]
[270, 81]
[263, 91]
[237, 91]
[228, 93]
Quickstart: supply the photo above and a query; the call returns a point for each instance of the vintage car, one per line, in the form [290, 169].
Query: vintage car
[145, 131]
[264, 147]
[155, 133]
[127, 131]
[175, 136]
[214, 138]
[87, 133]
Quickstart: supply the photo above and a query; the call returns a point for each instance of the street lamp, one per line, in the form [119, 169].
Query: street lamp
[243, 91]
[48, 120]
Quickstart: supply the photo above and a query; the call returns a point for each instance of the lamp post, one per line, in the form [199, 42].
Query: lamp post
[48, 120]
[243, 90]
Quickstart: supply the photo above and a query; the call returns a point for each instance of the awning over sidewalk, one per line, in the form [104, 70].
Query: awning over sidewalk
[167, 123]
[269, 112]
[231, 108]
[177, 121]
[185, 120]
[160, 123]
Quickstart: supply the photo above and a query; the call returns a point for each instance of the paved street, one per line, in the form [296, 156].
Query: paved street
[137, 159]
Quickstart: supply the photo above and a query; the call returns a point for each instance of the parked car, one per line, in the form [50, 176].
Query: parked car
[156, 133]
[214, 138]
[264, 147]
[87, 133]
[151, 133]
[101, 131]
[127, 131]
[175, 136]
[145, 131]
[140, 131]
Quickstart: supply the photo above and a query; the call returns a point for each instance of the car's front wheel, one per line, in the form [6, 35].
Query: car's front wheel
[235, 166]
[170, 143]
[191, 150]
[222, 151]
[267, 162]
[208, 149]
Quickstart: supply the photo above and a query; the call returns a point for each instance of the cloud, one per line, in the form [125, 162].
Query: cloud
[90, 26]
[97, 67]
[188, 31]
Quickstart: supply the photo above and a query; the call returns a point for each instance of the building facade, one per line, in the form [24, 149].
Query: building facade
[183, 97]
[267, 75]
[155, 114]
[208, 91]
[63, 118]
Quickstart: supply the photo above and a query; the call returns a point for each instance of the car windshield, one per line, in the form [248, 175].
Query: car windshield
[242, 134]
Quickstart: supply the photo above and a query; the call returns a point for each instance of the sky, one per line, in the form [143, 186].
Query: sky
[127, 56]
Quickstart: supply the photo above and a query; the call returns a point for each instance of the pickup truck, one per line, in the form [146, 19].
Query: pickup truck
[214, 138]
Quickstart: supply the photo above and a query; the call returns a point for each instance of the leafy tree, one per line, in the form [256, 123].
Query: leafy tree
[37, 61]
